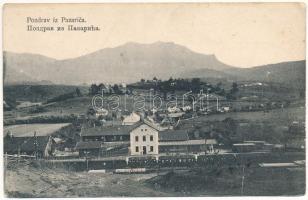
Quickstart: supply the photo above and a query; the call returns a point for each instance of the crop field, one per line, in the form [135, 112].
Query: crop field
[277, 115]
[26, 130]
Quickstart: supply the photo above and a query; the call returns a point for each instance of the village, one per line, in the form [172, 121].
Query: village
[149, 136]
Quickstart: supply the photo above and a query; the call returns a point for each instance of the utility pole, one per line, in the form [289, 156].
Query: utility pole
[207, 100]
[35, 146]
[243, 179]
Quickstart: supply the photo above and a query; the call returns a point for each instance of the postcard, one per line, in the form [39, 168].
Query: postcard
[154, 99]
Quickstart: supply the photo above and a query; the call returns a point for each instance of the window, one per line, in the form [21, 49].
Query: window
[151, 148]
[145, 129]
[144, 138]
[151, 138]
[137, 149]
[136, 138]
[141, 129]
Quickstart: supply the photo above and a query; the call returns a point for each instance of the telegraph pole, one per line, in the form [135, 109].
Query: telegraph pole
[243, 179]
[35, 146]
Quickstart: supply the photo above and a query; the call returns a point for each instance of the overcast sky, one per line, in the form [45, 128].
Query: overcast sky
[242, 35]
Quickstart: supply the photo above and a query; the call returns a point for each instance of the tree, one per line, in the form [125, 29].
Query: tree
[78, 93]
[195, 85]
[116, 89]
[91, 112]
[94, 89]
[233, 92]
[234, 88]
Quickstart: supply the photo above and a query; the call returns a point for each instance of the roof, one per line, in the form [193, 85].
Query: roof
[114, 130]
[107, 130]
[173, 135]
[175, 115]
[133, 117]
[182, 143]
[244, 144]
[24, 144]
[277, 165]
[89, 145]
[255, 141]
[147, 122]
[211, 141]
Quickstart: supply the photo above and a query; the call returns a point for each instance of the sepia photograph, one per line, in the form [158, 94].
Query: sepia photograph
[154, 100]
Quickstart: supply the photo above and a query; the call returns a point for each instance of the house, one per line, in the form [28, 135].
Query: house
[148, 139]
[144, 139]
[101, 113]
[97, 141]
[39, 146]
[131, 119]
[106, 133]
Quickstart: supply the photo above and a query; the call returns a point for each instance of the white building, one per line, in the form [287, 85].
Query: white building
[101, 112]
[131, 119]
[144, 140]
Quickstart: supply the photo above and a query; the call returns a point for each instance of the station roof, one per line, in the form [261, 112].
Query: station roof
[103, 131]
[173, 135]
[277, 165]
[188, 142]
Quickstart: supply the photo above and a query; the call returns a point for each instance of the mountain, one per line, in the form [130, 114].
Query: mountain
[289, 73]
[285, 72]
[127, 63]
[132, 61]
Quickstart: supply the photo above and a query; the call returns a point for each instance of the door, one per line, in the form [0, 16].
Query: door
[144, 150]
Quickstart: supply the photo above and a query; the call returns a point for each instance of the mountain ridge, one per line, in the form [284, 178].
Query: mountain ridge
[125, 63]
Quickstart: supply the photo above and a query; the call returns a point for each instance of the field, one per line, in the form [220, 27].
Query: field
[277, 115]
[24, 180]
[27, 180]
[27, 130]
[38, 93]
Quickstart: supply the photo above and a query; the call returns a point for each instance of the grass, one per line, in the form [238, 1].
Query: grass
[27, 130]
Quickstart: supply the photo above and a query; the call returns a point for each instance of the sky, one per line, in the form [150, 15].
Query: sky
[239, 34]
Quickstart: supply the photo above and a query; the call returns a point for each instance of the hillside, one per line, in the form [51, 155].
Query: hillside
[287, 73]
[132, 61]
[127, 63]
[293, 73]
[38, 93]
